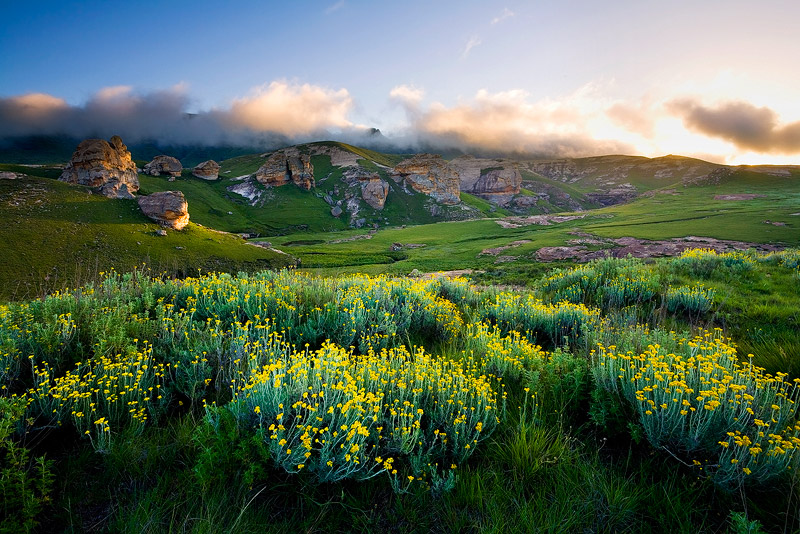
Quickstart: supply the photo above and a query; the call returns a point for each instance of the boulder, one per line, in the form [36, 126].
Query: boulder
[374, 191]
[336, 211]
[105, 166]
[431, 175]
[168, 208]
[164, 165]
[287, 165]
[208, 170]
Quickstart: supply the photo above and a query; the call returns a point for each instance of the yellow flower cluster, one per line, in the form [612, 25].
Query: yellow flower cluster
[342, 415]
[702, 400]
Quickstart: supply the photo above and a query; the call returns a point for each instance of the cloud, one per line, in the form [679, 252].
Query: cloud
[508, 122]
[638, 118]
[748, 127]
[334, 7]
[279, 109]
[507, 13]
[407, 94]
[472, 43]
[292, 109]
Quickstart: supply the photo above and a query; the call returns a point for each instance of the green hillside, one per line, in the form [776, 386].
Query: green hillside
[55, 235]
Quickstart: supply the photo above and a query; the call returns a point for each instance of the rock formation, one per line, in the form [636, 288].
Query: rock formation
[374, 191]
[163, 165]
[287, 165]
[431, 175]
[168, 208]
[105, 166]
[208, 170]
[495, 180]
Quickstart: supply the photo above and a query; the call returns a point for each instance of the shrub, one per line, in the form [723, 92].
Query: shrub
[700, 401]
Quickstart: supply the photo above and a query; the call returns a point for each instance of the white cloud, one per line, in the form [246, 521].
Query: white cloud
[334, 7]
[472, 43]
[507, 13]
[407, 94]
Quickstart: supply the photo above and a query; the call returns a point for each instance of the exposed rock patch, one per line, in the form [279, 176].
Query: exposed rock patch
[8, 175]
[494, 180]
[616, 195]
[542, 220]
[431, 175]
[208, 170]
[497, 250]
[643, 248]
[168, 208]
[285, 166]
[105, 166]
[164, 165]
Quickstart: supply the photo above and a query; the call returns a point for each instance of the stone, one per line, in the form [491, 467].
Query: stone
[164, 165]
[8, 175]
[161, 233]
[336, 211]
[105, 166]
[287, 165]
[208, 170]
[495, 180]
[168, 208]
[374, 191]
[431, 175]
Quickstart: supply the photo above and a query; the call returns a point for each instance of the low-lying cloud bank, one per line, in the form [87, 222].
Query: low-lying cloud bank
[585, 123]
[281, 109]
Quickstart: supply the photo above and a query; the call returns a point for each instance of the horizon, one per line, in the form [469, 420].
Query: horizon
[707, 81]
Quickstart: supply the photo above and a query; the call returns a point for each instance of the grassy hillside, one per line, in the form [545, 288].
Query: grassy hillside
[55, 234]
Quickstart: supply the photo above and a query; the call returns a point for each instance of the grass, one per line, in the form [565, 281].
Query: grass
[58, 235]
[547, 465]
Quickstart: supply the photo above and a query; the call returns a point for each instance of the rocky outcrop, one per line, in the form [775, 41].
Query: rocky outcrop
[431, 175]
[287, 165]
[105, 166]
[208, 170]
[616, 195]
[164, 165]
[168, 208]
[374, 191]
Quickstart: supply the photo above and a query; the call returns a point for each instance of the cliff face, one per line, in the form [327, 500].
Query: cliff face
[431, 175]
[495, 180]
[106, 166]
[284, 166]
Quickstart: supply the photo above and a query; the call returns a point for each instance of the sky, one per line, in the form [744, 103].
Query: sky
[712, 79]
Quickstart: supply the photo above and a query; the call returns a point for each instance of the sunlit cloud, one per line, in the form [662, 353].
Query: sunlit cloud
[507, 13]
[508, 121]
[292, 109]
[747, 126]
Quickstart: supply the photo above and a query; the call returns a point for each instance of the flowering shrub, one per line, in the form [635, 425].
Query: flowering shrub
[700, 401]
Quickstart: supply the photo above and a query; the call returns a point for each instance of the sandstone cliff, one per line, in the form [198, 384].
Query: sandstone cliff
[431, 175]
[105, 166]
[495, 180]
[284, 166]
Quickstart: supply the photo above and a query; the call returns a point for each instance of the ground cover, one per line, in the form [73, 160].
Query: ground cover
[285, 401]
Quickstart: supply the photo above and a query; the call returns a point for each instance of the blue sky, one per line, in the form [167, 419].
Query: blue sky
[560, 78]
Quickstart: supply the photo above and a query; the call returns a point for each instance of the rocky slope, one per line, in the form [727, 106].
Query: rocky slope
[431, 175]
[105, 166]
